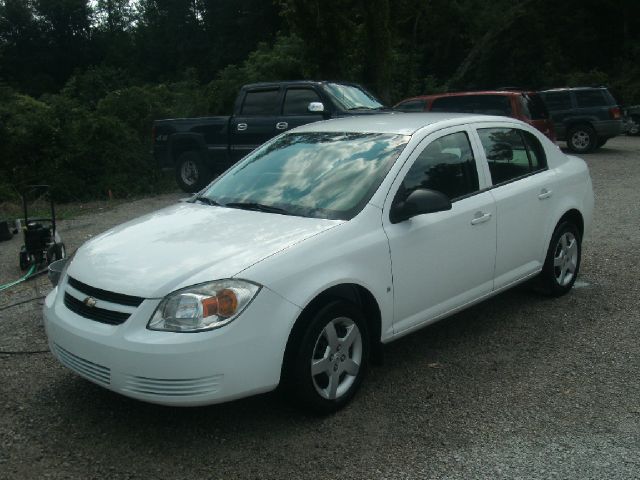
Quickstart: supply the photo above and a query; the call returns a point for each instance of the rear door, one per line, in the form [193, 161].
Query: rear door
[560, 107]
[524, 191]
[295, 108]
[256, 121]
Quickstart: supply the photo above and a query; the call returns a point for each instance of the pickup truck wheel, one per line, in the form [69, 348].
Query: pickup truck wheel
[634, 126]
[582, 139]
[191, 172]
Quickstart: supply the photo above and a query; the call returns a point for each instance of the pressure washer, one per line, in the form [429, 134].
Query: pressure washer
[42, 243]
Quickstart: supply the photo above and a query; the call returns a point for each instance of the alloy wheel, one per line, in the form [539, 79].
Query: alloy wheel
[336, 359]
[565, 259]
[189, 172]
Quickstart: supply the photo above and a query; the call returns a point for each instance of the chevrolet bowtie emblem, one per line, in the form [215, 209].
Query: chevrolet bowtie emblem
[90, 302]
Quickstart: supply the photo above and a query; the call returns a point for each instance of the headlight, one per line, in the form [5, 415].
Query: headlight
[203, 307]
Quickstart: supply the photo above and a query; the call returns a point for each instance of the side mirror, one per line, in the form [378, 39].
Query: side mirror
[316, 107]
[419, 202]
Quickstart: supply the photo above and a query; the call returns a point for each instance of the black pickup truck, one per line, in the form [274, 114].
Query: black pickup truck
[199, 148]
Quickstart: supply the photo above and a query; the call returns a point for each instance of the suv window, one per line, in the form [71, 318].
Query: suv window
[261, 102]
[534, 106]
[511, 153]
[558, 100]
[297, 100]
[411, 106]
[590, 98]
[446, 165]
[487, 104]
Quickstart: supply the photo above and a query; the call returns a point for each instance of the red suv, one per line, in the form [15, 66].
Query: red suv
[525, 106]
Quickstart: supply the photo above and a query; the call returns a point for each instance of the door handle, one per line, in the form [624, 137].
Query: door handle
[282, 125]
[545, 193]
[480, 217]
[242, 127]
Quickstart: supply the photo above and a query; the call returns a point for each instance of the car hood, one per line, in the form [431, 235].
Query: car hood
[186, 244]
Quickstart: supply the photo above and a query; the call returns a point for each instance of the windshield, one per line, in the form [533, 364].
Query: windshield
[350, 98]
[315, 174]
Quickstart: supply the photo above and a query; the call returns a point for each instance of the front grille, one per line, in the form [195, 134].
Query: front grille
[94, 313]
[93, 371]
[105, 295]
[170, 387]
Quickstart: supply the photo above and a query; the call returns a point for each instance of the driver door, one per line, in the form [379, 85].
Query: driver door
[444, 260]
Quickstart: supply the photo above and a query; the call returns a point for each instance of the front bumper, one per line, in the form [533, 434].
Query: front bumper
[183, 369]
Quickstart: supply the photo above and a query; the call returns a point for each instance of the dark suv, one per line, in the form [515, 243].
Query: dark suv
[585, 117]
[525, 106]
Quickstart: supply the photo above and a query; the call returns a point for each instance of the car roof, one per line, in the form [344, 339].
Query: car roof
[503, 93]
[568, 89]
[297, 82]
[396, 123]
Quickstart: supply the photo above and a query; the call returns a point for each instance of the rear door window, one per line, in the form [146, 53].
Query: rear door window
[511, 153]
[558, 100]
[261, 102]
[590, 98]
[486, 104]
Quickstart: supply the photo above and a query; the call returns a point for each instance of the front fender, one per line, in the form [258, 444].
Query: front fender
[355, 252]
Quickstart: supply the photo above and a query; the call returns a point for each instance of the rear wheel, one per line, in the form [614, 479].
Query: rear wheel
[562, 263]
[582, 139]
[191, 172]
[330, 359]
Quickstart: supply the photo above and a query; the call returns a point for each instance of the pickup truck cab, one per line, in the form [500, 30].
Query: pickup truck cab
[200, 148]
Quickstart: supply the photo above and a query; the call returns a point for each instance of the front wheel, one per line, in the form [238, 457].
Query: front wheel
[330, 359]
[582, 139]
[562, 263]
[191, 172]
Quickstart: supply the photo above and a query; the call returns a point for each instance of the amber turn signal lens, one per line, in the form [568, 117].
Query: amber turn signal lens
[227, 303]
[209, 306]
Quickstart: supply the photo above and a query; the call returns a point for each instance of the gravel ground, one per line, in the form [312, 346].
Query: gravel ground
[520, 386]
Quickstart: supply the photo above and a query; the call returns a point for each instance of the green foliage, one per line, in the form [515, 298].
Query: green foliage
[282, 61]
[86, 149]
[81, 81]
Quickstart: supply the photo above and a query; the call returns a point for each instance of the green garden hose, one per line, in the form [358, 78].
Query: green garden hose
[20, 280]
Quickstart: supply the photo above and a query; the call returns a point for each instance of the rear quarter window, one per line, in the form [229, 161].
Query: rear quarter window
[534, 105]
[558, 100]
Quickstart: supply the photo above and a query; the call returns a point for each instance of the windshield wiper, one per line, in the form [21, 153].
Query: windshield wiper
[206, 201]
[259, 207]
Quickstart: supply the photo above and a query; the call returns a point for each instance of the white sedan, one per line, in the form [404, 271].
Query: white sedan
[296, 265]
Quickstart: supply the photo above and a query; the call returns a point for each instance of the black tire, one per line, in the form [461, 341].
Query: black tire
[25, 261]
[191, 172]
[634, 126]
[314, 392]
[552, 280]
[56, 252]
[582, 139]
[602, 141]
